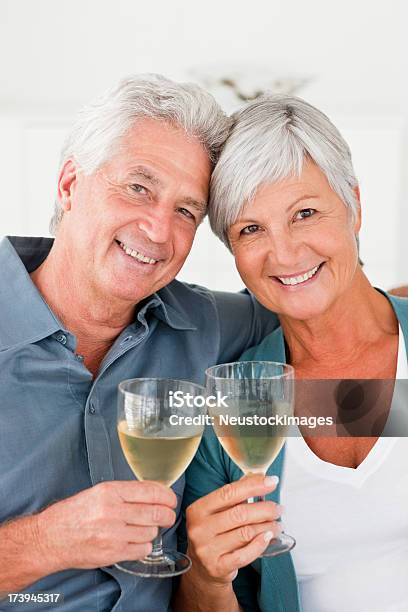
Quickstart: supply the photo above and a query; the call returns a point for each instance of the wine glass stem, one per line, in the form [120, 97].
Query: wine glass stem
[157, 548]
[258, 498]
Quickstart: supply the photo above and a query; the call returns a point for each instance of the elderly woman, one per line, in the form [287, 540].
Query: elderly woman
[285, 200]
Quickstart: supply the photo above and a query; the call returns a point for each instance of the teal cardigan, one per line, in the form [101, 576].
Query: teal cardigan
[269, 584]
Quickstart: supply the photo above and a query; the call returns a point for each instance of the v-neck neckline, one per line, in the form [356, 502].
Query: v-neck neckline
[330, 471]
[347, 475]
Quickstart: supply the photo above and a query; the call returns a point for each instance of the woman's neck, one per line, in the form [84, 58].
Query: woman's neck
[358, 319]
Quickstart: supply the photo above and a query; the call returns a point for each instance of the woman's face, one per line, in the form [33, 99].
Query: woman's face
[295, 246]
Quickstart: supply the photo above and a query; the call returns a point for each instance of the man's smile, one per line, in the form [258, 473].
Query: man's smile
[138, 255]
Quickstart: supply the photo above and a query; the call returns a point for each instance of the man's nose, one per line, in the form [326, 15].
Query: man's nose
[157, 225]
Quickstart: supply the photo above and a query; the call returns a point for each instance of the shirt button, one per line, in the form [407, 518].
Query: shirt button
[92, 408]
[62, 338]
[79, 357]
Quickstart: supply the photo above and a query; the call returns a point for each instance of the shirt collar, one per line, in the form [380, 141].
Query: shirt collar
[25, 316]
[172, 309]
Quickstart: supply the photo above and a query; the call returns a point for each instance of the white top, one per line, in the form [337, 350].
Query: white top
[350, 525]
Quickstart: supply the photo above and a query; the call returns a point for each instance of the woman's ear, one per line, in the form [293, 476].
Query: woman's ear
[66, 182]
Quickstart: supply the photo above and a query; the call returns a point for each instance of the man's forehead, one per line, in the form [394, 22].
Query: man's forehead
[145, 131]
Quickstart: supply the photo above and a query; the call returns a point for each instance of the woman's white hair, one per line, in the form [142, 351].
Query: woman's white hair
[102, 123]
[269, 141]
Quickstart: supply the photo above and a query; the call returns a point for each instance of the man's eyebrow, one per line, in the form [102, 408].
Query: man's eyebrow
[145, 173]
[199, 205]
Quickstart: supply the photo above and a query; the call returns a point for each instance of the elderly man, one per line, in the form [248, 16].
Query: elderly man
[94, 306]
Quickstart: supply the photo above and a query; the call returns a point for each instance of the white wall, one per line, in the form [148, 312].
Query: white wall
[57, 55]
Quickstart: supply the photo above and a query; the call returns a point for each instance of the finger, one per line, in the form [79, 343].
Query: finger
[146, 491]
[234, 493]
[138, 535]
[238, 538]
[244, 514]
[147, 514]
[245, 555]
[133, 552]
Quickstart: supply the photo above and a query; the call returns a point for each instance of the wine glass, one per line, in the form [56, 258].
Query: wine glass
[250, 418]
[159, 442]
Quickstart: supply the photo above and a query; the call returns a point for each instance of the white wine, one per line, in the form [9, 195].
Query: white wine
[157, 457]
[251, 453]
[253, 447]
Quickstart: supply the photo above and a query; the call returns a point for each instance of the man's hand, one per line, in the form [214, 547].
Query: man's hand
[110, 522]
[226, 533]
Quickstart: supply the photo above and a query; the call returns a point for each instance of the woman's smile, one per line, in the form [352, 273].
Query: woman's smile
[300, 279]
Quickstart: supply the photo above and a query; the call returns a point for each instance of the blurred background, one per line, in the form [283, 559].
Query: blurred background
[349, 58]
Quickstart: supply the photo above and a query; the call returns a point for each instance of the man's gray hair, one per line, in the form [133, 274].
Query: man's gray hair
[102, 123]
[270, 139]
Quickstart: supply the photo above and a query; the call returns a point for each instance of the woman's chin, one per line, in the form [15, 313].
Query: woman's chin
[294, 307]
[303, 314]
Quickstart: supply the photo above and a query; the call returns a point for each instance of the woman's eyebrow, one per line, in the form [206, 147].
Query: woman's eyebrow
[299, 199]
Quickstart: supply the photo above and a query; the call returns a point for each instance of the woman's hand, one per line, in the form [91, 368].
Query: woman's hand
[226, 533]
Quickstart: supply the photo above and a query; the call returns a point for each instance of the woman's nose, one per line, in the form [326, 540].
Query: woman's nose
[285, 251]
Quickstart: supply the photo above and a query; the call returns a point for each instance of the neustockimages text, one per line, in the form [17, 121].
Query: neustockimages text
[253, 420]
[178, 399]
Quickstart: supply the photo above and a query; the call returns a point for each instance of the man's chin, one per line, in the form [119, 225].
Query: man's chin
[131, 294]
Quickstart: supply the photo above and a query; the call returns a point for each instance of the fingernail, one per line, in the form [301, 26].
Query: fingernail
[271, 481]
[268, 535]
[280, 509]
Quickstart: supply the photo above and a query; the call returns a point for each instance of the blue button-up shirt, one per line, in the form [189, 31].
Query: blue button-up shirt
[58, 424]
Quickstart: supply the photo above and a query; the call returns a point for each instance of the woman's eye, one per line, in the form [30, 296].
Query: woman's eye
[249, 229]
[138, 188]
[305, 213]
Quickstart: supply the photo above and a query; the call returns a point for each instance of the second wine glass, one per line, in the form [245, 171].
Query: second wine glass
[252, 425]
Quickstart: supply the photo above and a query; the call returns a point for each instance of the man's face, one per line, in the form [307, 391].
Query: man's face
[129, 226]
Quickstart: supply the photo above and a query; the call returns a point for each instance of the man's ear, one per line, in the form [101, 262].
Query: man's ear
[66, 182]
[357, 222]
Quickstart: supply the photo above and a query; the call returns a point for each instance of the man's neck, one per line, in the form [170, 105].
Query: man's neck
[93, 320]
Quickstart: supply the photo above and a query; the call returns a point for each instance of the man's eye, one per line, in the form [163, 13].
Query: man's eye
[187, 213]
[249, 229]
[305, 213]
[138, 188]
